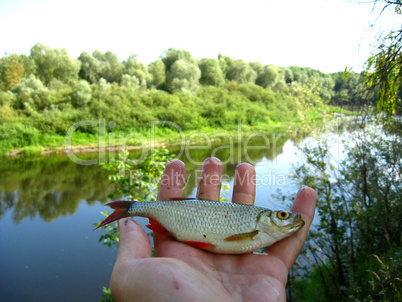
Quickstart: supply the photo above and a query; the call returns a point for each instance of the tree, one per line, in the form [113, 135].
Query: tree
[90, 68]
[183, 76]
[241, 72]
[211, 73]
[83, 94]
[266, 75]
[225, 63]
[133, 67]
[348, 89]
[384, 67]
[54, 63]
[384, 73]
[355, 194]
[170, 56]
[288, 75]
[30, 84]
[157, 72]
[111, 69]
[182, 72]
[32, 95]
[129, 81]
[11, 71]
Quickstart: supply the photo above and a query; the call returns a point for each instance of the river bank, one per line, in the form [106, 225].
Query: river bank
[159, 134]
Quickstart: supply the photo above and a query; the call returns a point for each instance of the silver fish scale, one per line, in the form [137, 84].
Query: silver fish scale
[196, 219]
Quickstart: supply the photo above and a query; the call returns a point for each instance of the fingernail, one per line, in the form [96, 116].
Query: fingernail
[301, 190]
[125, 222]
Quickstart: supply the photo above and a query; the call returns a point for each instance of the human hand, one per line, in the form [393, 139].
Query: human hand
[180, 272]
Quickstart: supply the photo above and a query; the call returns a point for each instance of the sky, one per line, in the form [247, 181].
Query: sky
[328, 35]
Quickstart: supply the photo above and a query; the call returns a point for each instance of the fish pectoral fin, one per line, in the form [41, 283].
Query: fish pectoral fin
[243, 236]
[156, 226]
[200, 245]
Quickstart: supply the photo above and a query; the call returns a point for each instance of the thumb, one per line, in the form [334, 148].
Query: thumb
[289, 248]
[134, 242]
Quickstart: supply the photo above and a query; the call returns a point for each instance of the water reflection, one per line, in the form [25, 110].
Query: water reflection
[54, 186]
[49, 187]
[231, 155]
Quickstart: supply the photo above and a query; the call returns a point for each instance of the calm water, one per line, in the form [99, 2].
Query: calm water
[48, 204]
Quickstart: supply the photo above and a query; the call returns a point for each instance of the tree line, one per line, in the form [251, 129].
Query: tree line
[175, 71]
[44, 93]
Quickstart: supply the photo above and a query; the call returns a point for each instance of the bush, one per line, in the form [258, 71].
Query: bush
[257, 94]
[17, 135]
[83, 94]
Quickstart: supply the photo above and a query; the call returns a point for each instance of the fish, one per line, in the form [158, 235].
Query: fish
[214, 226]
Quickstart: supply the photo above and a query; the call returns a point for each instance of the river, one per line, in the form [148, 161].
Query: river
[49, 251]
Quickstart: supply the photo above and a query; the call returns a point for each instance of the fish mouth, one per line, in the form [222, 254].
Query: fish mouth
[298, 223]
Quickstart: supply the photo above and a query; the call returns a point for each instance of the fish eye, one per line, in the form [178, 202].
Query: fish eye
[283, 215]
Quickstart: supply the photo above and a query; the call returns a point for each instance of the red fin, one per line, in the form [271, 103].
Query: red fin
[156, 226]
[200, 245]
[243, 236]
[183, 198]
[120, 211]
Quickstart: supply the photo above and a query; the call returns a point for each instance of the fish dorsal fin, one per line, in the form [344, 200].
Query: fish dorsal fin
[243, 236]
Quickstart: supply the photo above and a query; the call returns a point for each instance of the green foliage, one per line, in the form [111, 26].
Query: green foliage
[83, 94]
[135, 179]
[130, 82]
[211, 73]
[138, 70]
[257, 94]
[386, 282]
[359, 206]
[107, 295]
[182, 71]
[111, 69]
[386, 77]
[183, 76]
[54, 63]
[157, 73]
[90, 68]
[241, 72]
[349, 89]
[11, 71]
[56, 91]
[16, 135]
[310, 288]
[266, 75]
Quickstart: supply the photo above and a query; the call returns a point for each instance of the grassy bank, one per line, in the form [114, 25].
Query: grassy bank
[139, 119]
[48, 95]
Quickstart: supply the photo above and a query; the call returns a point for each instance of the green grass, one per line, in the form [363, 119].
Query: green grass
[126, 117]
[30, 141]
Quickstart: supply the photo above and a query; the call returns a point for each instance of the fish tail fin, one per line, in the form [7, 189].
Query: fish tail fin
[120, 211]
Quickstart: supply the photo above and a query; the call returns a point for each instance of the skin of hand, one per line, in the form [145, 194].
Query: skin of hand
[180, 272]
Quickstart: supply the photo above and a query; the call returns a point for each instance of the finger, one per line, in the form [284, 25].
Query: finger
[209, 187]
[244, 184]
[172, 181]
[171, 186]
[134, 242]
[133, 245]
[289, 248]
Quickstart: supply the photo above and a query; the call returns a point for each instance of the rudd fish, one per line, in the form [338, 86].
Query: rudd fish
[219, 227]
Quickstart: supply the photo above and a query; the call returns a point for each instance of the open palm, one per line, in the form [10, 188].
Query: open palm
[180, 272]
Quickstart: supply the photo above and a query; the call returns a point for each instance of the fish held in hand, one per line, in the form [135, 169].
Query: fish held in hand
[218, 227]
